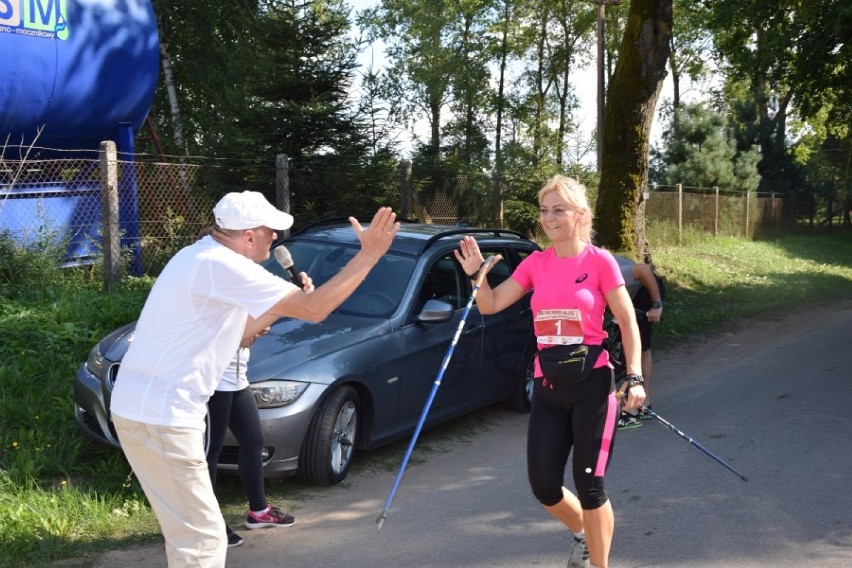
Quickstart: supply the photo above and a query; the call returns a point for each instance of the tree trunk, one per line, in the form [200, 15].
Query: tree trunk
[542, 87]
[171, 91]
[497, 185]
[631, 100]
[673, 65]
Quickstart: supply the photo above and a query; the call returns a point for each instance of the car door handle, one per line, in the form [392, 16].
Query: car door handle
[473, 329]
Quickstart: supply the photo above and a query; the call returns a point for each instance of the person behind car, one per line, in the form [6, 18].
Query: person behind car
[572, 282]
[211, 294]
[648, 293]
[233, 406]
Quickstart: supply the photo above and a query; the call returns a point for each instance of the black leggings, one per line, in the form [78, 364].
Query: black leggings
[581, 416]
[237, 410]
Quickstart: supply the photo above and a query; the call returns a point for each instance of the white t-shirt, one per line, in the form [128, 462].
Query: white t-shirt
[235, 378]
[188, 331]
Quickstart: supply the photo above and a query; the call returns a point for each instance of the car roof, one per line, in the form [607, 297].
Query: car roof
[412, 238]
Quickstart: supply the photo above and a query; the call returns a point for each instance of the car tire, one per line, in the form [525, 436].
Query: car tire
[521, 401]
[330, 440]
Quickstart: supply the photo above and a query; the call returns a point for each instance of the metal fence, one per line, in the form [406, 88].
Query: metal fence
[161, 206]
[671, 211]
[58, 202]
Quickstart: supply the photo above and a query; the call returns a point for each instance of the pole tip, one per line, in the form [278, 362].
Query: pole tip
[381, 521]
[744, 478]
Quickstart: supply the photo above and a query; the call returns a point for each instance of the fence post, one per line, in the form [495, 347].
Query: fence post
[746, 214]
[716, 214]
[282, 186]
[679, 214]
[128, 207]
[109, 214]
[772, 209]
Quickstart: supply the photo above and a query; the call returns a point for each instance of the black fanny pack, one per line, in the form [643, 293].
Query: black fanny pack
[568, 364]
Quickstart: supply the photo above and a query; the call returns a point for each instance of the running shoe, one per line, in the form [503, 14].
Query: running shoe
[233, 538]
[644, 415]
[629, 421]
[579, 556]
[271, 517]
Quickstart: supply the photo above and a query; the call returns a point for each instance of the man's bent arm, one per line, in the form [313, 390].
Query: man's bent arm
[316, 306]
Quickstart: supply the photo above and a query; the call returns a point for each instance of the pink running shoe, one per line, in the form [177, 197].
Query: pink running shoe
[271, 517]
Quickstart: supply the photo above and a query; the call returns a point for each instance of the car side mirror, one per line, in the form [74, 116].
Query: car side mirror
[436, 311]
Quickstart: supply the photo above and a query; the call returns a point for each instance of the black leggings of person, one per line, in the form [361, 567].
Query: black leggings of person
[582, 417]
[237, 410]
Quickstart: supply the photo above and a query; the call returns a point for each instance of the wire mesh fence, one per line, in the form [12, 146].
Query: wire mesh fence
[57, 202]
[163, 205]
[671, 211]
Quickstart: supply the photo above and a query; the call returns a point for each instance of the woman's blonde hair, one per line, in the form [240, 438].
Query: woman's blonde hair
[575, 194]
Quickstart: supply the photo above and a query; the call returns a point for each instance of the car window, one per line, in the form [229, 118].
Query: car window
[503, 269]
[443, 282]
[378, 296]
[500, 271]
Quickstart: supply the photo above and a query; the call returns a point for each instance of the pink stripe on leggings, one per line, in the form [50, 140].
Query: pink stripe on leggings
[608, 432]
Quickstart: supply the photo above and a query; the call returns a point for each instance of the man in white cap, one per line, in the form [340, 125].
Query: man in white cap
[209, 296]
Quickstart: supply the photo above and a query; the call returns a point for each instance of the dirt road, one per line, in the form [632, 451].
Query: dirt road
[769, 397]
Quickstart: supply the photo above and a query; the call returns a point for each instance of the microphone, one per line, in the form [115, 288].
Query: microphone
[285, 259]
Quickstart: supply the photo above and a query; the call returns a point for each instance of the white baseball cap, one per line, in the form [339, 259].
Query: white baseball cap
[247, 210]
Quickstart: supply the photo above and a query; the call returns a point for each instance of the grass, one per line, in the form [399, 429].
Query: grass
[64, 497]
[713, 282]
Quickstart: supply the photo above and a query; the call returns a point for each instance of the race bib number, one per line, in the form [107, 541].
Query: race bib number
[559, 327]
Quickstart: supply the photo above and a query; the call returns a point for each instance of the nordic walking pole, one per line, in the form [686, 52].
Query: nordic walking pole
[482, 272]
[674, 429]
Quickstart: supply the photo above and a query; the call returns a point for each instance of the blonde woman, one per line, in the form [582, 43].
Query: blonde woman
[572, 282]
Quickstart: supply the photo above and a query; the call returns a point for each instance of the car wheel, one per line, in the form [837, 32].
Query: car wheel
[330, 440]
[522, 399]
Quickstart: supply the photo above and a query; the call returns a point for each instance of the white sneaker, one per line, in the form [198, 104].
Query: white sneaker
[579, 555]
[629, 421]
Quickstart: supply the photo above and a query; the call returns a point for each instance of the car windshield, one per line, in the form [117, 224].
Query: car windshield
[378, 296]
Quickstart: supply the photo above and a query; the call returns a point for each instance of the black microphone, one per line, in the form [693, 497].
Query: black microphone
[285, 259]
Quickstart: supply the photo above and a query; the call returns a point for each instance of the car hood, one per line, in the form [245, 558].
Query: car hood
[114, 346]
[292, 343]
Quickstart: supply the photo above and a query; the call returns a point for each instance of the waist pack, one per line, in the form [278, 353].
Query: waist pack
[568, 364]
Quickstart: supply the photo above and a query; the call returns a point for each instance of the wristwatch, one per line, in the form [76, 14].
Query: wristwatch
[633, 380]
[656, 305]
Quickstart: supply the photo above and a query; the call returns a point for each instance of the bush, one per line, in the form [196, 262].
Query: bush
[22, 264]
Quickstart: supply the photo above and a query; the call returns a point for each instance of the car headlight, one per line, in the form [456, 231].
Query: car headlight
[272, 394]
[96, 363]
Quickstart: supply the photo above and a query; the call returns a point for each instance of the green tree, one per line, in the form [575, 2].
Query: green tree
[700, 151]
[573, 31]
[755, 43]
[206, 47]
[691, 45]
[268, 77]
[505, 35]
[299, 105]
[421, 59]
